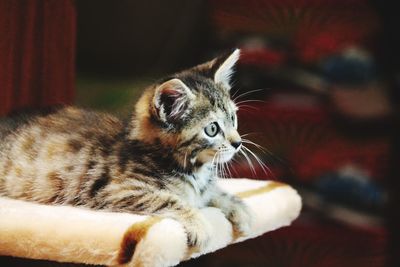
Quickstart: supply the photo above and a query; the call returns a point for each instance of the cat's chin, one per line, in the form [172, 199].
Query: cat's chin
[225, 157]
[211, 158]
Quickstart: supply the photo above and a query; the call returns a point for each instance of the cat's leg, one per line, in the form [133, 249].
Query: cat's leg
[235, 211]
[163, 203]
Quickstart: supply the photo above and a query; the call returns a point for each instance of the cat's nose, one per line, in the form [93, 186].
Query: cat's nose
[236, 144]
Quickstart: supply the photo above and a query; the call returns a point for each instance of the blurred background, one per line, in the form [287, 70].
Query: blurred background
[318, 85]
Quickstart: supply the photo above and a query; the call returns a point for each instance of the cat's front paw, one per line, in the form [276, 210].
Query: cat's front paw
[241, 218]
[198, 230]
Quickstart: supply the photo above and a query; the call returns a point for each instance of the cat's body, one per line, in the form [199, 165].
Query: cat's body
[161, 162]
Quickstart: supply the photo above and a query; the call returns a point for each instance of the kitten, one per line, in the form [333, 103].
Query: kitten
[162, 161]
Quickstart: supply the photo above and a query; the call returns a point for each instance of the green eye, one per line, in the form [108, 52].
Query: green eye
[212, 129]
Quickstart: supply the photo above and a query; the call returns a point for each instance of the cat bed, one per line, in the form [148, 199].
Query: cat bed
[70, 234]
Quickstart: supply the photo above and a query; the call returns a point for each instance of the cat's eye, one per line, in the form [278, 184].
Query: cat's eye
[212, 129]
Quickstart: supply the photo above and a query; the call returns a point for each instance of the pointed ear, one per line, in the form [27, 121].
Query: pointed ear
[223, 67]
[171, 100]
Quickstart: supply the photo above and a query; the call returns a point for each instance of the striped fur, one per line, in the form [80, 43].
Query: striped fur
[161, 161]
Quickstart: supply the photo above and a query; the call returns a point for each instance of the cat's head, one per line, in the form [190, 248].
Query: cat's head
[192, 113]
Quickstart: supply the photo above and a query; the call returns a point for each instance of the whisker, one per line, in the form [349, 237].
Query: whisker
[247, 141]
[185, 160]
[263, 149]
[214, 164]
[227, 169]
[253, 171]
[247, 93]
[255, 156]
[234, 93]
[247, 106]
[251, 133]
[250, 101]
[219, 172]
[262, 164]
[231, 166]
[221, 164]
[247, 134]
[223, 170]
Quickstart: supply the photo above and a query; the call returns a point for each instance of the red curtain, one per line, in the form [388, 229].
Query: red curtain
[37, 53]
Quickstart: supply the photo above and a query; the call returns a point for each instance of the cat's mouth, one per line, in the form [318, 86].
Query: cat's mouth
[216, 155]
[225, 155]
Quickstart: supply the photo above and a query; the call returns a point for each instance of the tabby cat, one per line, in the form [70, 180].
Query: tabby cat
[161, 161]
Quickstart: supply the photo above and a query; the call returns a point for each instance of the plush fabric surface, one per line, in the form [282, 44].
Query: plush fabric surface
[70, 234]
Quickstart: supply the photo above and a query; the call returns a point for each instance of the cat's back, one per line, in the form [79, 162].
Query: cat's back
[63, 123]
[54, 145]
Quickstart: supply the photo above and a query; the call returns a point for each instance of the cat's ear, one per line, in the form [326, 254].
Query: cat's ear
[171, 100]
[223, 68]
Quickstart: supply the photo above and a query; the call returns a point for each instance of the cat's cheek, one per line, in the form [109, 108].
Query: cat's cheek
[207, 155]
[225, 157]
